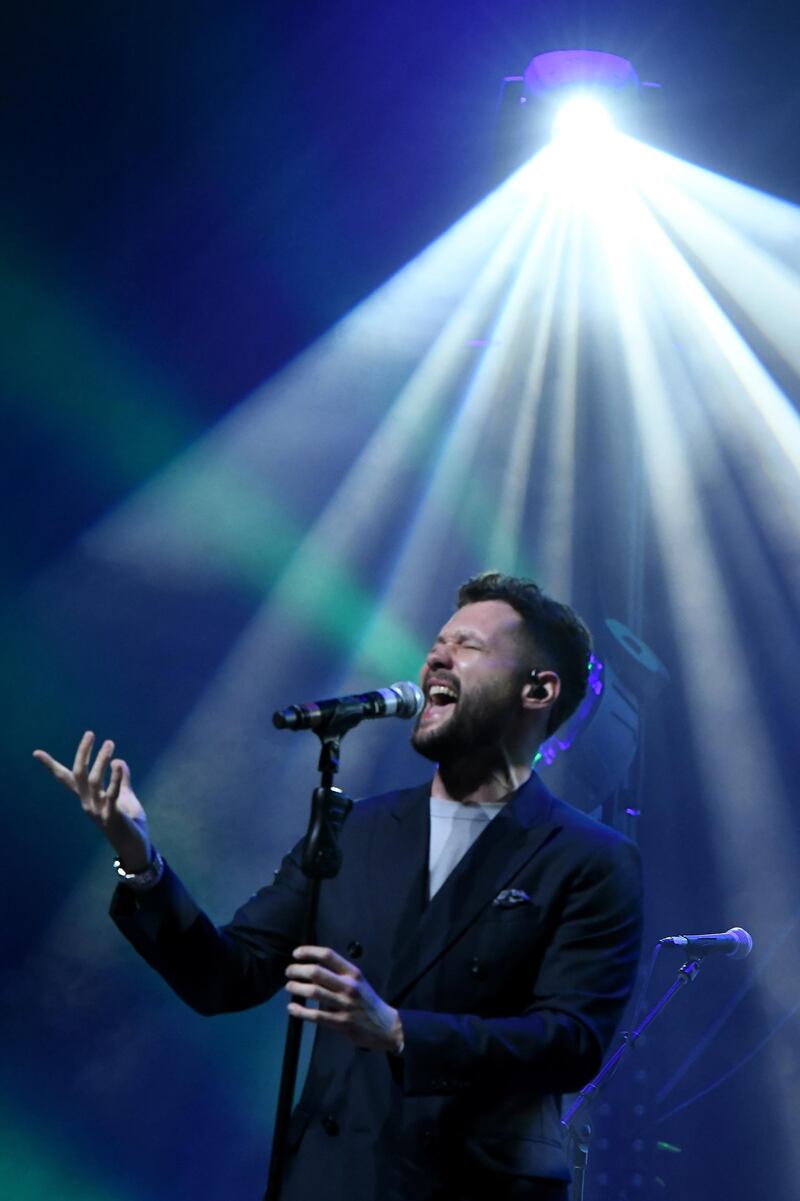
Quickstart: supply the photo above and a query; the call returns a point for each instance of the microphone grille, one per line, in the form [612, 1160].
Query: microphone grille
[744, 943]
[411, 698]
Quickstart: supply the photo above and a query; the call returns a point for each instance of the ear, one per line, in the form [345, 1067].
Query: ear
[542, 690]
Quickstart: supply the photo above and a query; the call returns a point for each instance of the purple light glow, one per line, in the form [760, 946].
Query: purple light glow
[555, 745]
[568, 68]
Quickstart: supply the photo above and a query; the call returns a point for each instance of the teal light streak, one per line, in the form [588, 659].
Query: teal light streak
[35, 1168]
[80, 381]
[227, 523]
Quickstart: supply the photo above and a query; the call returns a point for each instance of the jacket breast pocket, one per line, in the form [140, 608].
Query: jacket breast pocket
[502, 954]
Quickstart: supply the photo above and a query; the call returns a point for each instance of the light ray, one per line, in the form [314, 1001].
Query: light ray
[764, 284]
[506, 536]
[732, 741]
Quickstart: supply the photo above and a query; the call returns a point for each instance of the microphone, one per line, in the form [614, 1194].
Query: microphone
[400, 700]
[735, 943]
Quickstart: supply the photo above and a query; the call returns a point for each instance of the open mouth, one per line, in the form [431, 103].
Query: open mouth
[440, 698]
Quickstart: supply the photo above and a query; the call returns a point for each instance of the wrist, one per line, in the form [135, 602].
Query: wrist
[146, 877]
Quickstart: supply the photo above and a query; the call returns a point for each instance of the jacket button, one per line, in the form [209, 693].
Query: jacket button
[330, 1125]
[354, 950]
[476, 968]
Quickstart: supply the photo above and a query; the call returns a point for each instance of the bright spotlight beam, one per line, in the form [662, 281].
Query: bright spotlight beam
[581, 122]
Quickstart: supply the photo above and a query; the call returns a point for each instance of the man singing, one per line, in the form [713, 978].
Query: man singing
[471, 959]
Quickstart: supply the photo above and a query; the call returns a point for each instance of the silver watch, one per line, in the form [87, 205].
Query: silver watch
[147, 878]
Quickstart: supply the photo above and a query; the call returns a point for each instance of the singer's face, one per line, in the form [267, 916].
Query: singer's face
[472, 678]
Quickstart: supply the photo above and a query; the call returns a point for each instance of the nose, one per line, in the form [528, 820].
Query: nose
[440, 655]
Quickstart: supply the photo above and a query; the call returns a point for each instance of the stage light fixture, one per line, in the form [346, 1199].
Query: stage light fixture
[576, 98]
[557, 71]
[602, 736]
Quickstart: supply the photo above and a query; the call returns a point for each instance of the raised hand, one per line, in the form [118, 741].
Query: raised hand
[348, 1003]
[105, 793]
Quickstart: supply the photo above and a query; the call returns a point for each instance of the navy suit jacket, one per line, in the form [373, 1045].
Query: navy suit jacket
[507, 1001]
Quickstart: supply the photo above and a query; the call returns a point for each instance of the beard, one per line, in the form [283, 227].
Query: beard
[477, 722]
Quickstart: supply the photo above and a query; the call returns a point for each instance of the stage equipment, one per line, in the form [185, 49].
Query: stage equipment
[736, 943]
[559, 70]
[533, 106]
[322, 858]
[580, 1134]
[605, 732]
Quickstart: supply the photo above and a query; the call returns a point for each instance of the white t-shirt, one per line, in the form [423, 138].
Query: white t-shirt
[454, 828]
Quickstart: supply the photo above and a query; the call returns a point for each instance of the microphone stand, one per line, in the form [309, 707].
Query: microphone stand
[321, 860]
[581, 1136]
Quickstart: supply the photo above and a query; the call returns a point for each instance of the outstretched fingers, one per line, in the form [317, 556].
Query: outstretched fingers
[115, 781]
[100, 766]
[103, 787]
[82, 755]
[56, 769]
[87, 781]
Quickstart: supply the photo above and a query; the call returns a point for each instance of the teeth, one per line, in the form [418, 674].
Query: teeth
[442, 690]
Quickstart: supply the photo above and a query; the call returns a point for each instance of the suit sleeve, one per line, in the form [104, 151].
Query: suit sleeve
[217, 969]
[556, 1043]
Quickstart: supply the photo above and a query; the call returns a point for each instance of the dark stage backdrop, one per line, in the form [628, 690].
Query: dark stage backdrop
[216, 505]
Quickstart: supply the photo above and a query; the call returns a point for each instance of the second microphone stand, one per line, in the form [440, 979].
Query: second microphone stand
[581, 1136]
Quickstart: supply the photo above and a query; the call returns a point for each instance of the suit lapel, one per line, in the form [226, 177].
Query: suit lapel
[397, 875]
[501, 851]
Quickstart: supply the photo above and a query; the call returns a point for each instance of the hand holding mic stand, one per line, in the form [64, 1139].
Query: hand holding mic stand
[322, 858]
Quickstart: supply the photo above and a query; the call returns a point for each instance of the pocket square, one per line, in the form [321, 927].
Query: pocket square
[509, 898]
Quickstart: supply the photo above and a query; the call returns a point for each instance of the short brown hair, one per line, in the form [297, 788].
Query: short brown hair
[559, 637]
